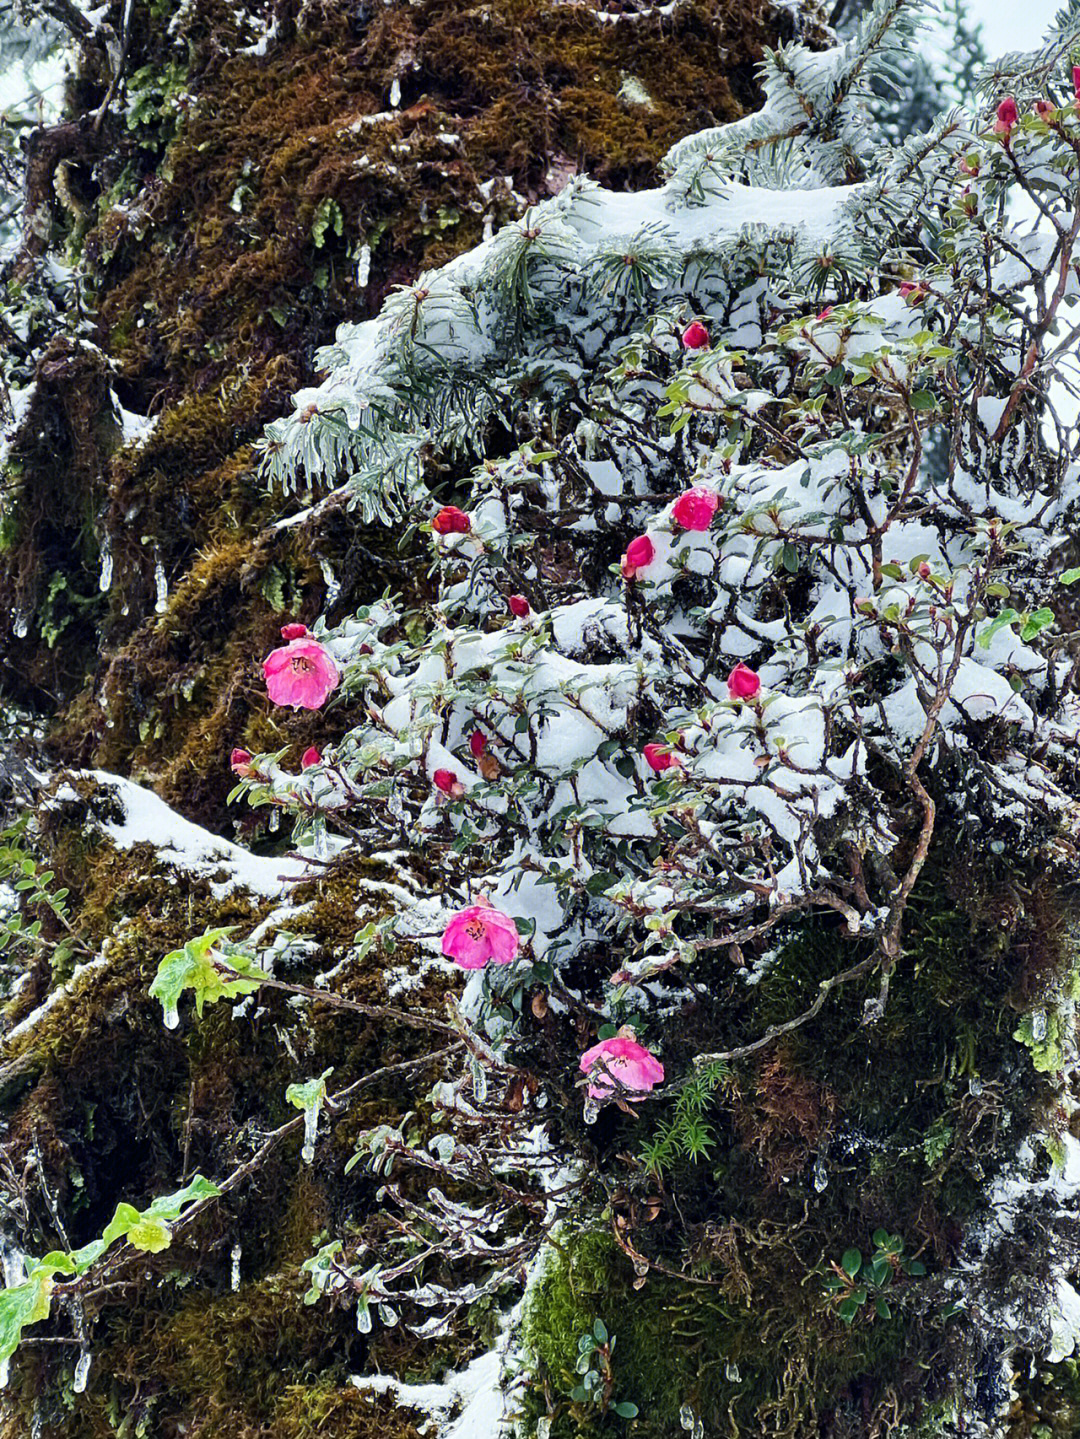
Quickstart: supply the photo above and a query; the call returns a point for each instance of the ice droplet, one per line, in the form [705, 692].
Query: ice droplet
[275, 821]
[1038, 1025]
[106, 564]
[395, 93]
[171, 1016]
[162, 587]
[543, 1427]
[237, 1250]
[821, 1177]
[5, 1370]
[21, 626]
[363, 267]
[975, 1086]
[591, 1113]
[82, 1373]
[731, 1372]
[363, 1317]
[311, 1126]
[686, 1417]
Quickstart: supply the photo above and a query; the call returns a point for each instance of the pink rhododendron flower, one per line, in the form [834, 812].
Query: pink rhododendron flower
[1076, 82]
[519, 606]
[294, 632]
[743, 683]
[824, 314]
[451, 521]
[620, 1059]
[639, 553]
[1007, 116]
[240, 764]
[310, 758]
[300, 674]
[447, 781]
[1044, 109]
[659, 758]
[695, 508]
[695, 336]
[479, 935]
[477, 743]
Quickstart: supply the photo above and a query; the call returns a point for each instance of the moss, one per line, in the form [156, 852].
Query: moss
[775, 1363]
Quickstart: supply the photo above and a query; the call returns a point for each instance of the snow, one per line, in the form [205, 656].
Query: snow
[473, 1404]
[178, 841]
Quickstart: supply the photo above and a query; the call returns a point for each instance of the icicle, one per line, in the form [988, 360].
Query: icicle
[363, 1318]
[311, 1128]
[543, 1427]
[171, 1016]
[1038, 1025]
[275, 821]
[82, 1373]
[21, 627]
[105, 582]
[395, 93]
[237, 1250]
[363, 267]
[591, 1112]
[731, 1372]
[162, 587]
[821, 1178]
[5, 1371]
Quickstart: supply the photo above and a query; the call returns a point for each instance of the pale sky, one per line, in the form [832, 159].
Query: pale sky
[1013, 24]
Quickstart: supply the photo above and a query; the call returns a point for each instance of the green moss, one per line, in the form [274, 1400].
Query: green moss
[774, 1363]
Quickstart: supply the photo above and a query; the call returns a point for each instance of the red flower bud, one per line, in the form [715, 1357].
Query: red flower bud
[310, 757]
[743, 682]
[519, 606]
[1007, 116]
[659, 758]
[639, 553]
[695, 336]
[1044, 109]
[924, 571]
[1076, 82]
[477, 743]
[294, 632]
[447, 781]
[451, 521]
[824, 314]
[239, 760]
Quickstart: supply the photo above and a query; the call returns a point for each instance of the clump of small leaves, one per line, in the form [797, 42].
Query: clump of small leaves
[855, 1280]
[595, 1348]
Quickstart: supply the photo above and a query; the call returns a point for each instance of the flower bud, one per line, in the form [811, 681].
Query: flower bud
[695, 336]
[310, 758]
[294, 632]
[519, 606]
[477, 743]
[451, 521]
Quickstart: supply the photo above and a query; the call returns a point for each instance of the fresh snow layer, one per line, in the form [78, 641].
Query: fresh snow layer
[149, 820]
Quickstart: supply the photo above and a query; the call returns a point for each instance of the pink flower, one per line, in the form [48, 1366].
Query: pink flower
[695, 508]
[300, 674]
[825, 313]
[659, 758]
[477, 743]
[639, 553]
[1076, 82]
[695, 336]
[915, 291]
[519, 606]
[743, 683]
[480, 934]
[1007, 116]
[1044, 109]
[294, 632]
[240, 764]
[451, 521]
[969, 164]
[310, 758]
[620, 1060]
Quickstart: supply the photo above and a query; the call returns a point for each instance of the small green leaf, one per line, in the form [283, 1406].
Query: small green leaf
[923, 400]
[625, 1410]
[846, 1310]
[851, 1263]
[599, 1330]
[884, 1312]
[196, 967]
[1070, 577]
